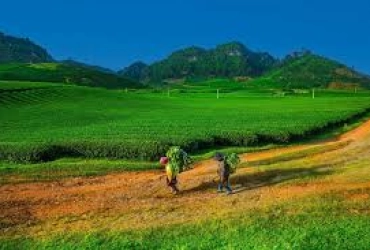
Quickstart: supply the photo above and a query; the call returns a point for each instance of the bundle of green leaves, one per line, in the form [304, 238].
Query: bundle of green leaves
[233, 161]
[179, 161]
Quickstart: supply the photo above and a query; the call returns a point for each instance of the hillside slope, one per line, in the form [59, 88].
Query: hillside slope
[93, 67]
[21, 50]
[309, 70]
[64, 73]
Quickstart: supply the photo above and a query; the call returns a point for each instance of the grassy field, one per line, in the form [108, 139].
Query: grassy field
[14, 86]
[67, 168]
[264, 230]
[40, 124]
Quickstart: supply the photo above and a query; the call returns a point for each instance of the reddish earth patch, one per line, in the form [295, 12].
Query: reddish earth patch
[358, 197]
[358, 134]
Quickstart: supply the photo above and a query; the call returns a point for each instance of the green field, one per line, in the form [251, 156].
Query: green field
[40, 124]
[262, 231]
[14, 86]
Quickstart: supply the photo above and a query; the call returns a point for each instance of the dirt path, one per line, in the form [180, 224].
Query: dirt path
[353, 135]
[139, 199]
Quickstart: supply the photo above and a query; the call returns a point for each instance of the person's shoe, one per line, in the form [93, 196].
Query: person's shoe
[220, 191]
[229, 192]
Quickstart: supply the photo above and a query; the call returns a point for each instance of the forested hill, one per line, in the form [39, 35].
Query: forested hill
[226, 60]
[21, 50]
[307, 70]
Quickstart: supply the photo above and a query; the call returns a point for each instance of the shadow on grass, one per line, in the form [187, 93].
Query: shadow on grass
[267, 178]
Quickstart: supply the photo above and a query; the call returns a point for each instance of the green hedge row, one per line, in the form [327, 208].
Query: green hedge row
[44, 152]
[152, 150]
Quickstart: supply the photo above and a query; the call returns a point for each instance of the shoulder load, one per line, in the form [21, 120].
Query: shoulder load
[232, 161]
[178, 161]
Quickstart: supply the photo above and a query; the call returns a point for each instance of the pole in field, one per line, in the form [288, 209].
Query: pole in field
[218, 94]
[126, 90]
[313, 93]
[168, 92]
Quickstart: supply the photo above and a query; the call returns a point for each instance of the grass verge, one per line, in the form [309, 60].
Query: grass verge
[276, 228]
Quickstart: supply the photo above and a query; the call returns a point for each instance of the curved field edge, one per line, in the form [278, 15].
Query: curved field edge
[252, 156]
[78, 167]
[152, 150]
[13, 173]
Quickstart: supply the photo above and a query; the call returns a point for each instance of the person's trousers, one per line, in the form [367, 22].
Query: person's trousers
[172, 184]
[224, 183]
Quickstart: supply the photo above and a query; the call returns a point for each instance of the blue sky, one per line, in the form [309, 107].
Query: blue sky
[114, 33]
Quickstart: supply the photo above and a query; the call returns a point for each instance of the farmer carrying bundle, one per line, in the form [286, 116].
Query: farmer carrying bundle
[176, 161]
[227, 165]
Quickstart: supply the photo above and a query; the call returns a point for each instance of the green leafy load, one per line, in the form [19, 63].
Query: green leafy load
[233, 161]
[179, 161]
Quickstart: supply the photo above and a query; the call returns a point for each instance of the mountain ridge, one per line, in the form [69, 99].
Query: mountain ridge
[300, 69]
[22, 50]
[225, 60]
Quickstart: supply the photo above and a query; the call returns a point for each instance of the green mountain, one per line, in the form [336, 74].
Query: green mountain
[20, 50]
[227, 60]
[138, 71]
[21, 59]
[64, 73]
[307, 70]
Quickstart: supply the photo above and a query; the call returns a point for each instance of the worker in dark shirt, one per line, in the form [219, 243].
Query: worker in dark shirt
[223, 171]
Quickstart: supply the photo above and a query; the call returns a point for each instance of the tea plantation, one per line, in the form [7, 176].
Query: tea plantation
[49, 121]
